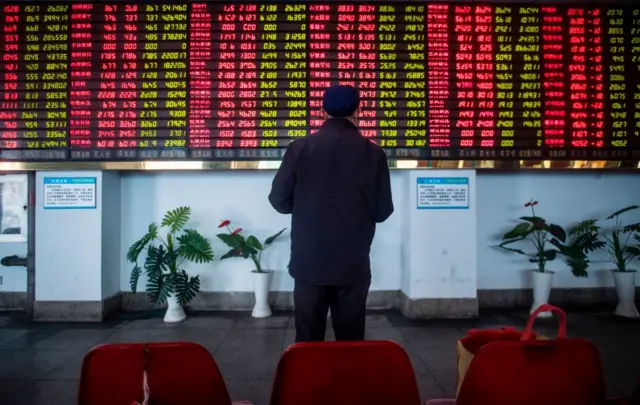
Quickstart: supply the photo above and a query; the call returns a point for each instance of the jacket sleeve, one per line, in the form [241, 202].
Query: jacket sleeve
[281, 196]
[385, 200]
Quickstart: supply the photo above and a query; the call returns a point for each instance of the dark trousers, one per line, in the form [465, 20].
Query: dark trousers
[348, 310]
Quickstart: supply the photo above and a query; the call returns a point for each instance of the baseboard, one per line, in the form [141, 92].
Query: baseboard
[563, 297]
[437, 308]
[111, 306]
[96, 311]
[77, 311]
[244, 301]
[12, 300]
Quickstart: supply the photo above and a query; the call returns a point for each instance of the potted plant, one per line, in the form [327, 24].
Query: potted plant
[622, 245]
[166, 279]
[549, 241]
[251, 248]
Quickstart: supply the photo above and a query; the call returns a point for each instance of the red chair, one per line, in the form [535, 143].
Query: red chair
[533, 372]
[178, 373]
[345, 373]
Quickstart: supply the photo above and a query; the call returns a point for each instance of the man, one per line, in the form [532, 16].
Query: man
[336, 185]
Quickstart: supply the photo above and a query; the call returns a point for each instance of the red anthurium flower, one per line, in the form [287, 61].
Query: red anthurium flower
[224, 223]
[237, 231]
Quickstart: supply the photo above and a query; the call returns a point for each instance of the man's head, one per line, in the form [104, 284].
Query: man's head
[341, 102]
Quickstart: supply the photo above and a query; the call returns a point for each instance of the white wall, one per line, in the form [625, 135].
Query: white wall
[564, 198]
[405, 231]
[13, 278]
[111, 197]
[242, 198]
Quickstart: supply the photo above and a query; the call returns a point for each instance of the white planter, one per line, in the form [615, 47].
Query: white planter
[175, 312]
[261, 287]
[541, 290]
[626, 289]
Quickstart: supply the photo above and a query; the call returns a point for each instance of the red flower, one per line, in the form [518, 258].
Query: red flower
[237, 231]
[224, 223]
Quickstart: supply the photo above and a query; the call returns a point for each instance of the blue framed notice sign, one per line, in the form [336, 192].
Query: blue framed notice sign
[443, 193]
[70, 192]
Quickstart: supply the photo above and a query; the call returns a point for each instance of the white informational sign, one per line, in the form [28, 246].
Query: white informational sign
[69, 192]
[443, 192]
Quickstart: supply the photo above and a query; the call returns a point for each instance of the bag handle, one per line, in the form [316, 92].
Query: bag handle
[562, 326]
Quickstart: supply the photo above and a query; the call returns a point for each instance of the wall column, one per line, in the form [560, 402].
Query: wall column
[77, 245]
[439, 245]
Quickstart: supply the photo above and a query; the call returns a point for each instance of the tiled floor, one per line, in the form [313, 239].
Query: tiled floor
[40, 363]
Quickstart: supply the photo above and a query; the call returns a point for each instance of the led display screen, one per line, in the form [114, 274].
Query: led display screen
[224, 81]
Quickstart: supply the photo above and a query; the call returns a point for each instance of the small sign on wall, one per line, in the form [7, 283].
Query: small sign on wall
[70, 192]
[443, 192]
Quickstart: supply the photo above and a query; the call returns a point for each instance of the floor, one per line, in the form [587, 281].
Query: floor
[40, 363]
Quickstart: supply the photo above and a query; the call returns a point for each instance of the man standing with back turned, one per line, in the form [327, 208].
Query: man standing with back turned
[336, 185]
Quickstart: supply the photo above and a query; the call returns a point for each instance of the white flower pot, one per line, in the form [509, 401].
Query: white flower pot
[175, 312]
[626, 289]
[541, 290]
[261, 284]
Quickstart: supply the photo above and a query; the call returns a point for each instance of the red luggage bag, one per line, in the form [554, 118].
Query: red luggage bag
[558, 371]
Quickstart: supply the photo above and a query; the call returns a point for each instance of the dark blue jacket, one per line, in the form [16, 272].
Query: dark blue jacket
[336, 185]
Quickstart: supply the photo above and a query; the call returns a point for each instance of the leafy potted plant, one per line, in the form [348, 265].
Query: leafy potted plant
[166, 279]
[622, 245]
[251, 248]
[549, 241]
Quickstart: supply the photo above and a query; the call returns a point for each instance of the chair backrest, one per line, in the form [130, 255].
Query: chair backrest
[178, 373]
[345, 373]
[534, 372]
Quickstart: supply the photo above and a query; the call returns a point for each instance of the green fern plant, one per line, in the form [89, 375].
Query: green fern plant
[165, 256]
[621, 242]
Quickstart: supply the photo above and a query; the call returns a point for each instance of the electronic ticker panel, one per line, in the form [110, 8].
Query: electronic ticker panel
[102, 81]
